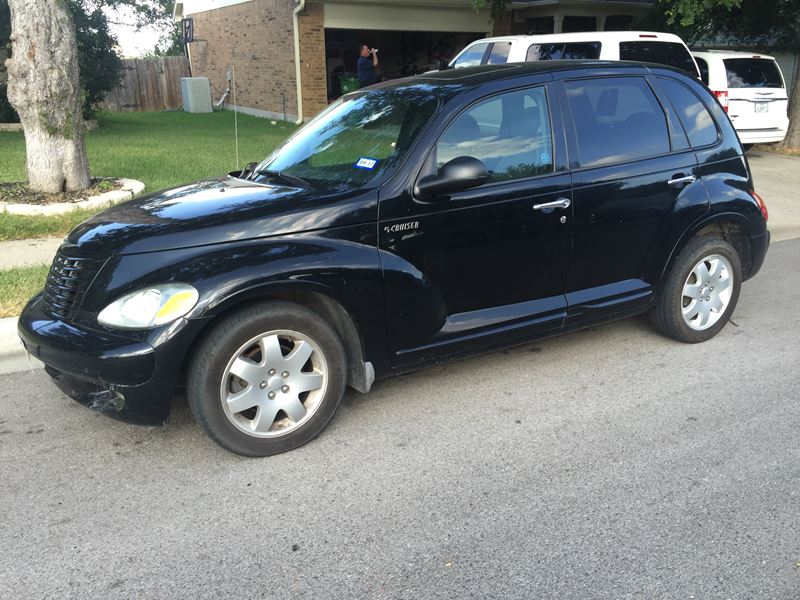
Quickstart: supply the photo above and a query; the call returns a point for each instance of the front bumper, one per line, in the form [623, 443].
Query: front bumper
[122, 377]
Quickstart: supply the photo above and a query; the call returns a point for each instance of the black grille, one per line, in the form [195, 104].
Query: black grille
[66, 284]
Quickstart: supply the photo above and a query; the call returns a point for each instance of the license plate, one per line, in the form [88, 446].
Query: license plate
[762, 107]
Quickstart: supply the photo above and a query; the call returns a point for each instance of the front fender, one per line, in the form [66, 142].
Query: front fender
[341, 264]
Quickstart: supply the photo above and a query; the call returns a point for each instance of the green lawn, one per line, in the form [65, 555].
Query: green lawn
[159, 149]
[18, 285]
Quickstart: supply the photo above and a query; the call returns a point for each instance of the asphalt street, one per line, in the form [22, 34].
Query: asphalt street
[609, 463]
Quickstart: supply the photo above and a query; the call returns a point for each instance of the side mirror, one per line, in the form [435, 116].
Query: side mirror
[461, 173]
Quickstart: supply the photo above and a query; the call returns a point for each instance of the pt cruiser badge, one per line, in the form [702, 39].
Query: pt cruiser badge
[401, 227]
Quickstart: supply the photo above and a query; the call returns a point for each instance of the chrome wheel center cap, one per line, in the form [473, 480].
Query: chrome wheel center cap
[274, 384]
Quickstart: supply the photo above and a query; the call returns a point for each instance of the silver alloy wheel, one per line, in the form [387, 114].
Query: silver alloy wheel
[707, 292]
[274, 383]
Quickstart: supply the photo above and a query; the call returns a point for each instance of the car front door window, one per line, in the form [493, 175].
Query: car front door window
[510, 133]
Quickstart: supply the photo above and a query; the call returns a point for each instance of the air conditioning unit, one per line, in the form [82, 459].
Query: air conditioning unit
[196, 93]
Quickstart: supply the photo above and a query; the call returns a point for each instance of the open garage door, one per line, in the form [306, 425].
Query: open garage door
[400, 53]
[411, 38]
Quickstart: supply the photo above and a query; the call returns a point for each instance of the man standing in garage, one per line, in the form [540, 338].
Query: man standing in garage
[366, 67]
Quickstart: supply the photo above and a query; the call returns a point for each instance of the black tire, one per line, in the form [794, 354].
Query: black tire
[667, 316]
[218, 348]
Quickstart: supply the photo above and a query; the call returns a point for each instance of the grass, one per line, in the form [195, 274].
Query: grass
[160, 149]
[18, 285]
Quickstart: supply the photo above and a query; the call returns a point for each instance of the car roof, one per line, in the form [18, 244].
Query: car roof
[451, 82]
[723, 54]
[585, 36]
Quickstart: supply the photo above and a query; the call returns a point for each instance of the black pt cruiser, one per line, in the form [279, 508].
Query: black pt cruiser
[409, 222]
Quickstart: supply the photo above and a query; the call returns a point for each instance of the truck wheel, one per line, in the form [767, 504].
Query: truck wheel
[701, 291]
[267, 379]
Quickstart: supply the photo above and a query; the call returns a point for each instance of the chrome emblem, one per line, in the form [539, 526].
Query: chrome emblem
[401, 227]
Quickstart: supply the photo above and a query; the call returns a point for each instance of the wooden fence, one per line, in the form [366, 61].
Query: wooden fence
[148, 84]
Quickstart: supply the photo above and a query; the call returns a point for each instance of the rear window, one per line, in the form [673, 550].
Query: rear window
[665, 53]
[572, 51]
[752, 73]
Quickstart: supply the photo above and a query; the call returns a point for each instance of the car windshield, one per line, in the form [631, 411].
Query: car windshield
[355, 140]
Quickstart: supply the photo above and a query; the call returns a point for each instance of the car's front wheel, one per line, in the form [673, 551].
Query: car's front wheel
[701, 291]
[267, 379]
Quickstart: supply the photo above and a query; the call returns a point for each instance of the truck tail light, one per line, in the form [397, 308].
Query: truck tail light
[761, 205]
[722, 98]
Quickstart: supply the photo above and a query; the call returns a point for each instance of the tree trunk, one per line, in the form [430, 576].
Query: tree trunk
[44, 88]
[792, 139]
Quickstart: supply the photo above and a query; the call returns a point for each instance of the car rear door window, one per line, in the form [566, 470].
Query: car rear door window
[499, 53]
[510, 133]
[571, 51]
[694, 116]
[752, 73]
[472, 57]
[665, 53]
[617, 119]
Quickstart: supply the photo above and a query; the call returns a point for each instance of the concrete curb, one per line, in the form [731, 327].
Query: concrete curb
[130, 188]
[13, 356]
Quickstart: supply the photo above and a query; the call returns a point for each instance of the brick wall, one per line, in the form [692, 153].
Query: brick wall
[313, 79]
[257, 37]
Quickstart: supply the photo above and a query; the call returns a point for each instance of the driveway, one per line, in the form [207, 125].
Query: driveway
[610, 463]
[777, 180]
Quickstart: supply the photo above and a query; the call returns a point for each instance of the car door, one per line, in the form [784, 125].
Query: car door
[488, 264]
[632, 169]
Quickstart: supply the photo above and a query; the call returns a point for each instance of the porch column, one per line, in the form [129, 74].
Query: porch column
[601, 23]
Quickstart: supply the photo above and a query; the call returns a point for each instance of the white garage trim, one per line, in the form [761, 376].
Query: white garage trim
[184, 8]
[413, 17]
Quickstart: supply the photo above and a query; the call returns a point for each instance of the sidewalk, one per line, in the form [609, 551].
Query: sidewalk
[27, 253]
[13, 357]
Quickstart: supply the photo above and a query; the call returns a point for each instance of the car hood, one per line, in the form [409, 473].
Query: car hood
[213, 211]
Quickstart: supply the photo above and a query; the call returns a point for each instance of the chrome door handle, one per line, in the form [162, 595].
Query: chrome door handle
[682, 180]
[560, 203]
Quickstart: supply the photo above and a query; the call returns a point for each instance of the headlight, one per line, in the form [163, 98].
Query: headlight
[150, 307]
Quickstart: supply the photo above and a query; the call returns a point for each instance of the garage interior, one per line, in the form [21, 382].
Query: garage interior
[400, 53]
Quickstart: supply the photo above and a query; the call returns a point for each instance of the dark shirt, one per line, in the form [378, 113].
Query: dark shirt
[366, 71]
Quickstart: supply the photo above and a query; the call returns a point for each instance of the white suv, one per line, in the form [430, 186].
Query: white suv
[643, 46]
[751, 89]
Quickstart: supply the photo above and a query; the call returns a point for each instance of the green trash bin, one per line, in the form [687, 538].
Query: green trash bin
[348, 83]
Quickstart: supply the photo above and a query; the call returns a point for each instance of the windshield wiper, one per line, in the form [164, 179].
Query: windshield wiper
[291, 179]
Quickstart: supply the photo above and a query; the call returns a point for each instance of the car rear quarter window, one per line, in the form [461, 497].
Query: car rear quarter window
[510, 133]
[499, 53]
[665, 53]
[695, 118]
[571, 51]
[617, 119]
[752, 73]
[472, 57]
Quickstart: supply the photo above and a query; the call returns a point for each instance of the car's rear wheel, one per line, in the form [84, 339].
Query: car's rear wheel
[267, 379]
[701, 291]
